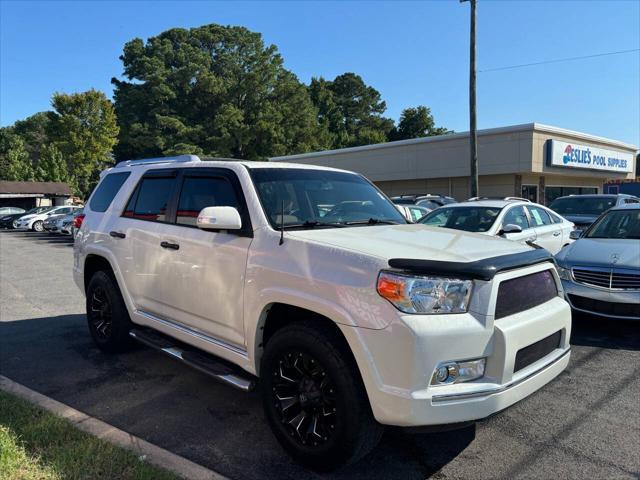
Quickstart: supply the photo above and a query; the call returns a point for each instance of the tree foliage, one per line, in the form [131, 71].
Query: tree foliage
[212, 90]
[415, 123]
[83, 130]
[14, 158]
[350, 111]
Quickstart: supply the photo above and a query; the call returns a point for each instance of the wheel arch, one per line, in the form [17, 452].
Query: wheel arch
[277, 315]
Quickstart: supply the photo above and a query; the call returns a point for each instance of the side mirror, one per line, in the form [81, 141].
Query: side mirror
[575, 234]
[510, 228]
[219, 218]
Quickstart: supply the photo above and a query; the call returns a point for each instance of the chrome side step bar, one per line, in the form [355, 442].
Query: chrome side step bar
[217, 368]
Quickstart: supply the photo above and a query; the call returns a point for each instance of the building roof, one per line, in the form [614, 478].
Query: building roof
[45, 188]
[539, 127]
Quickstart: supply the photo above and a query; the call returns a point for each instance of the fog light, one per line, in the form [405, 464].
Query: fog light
[457, 372]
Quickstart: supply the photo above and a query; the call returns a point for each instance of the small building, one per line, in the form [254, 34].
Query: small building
[34, 194]
[535, 161]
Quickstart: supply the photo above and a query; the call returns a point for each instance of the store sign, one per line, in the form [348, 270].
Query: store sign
[573, 155]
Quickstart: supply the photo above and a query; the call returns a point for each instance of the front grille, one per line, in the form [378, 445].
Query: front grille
[534, 352]
[607, 278]
[522, 293]
[629, 310]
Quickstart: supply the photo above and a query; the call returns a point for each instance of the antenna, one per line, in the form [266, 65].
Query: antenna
[282, 224]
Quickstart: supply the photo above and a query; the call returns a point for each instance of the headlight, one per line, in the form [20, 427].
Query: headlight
[564, 273]
[425, 294]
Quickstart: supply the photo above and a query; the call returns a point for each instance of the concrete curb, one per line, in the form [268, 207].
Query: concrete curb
[151, 453]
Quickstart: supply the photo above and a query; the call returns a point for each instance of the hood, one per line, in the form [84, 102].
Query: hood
[413, 241]
[56, 217]
[581, 220]
[597, 252]
[28, 217]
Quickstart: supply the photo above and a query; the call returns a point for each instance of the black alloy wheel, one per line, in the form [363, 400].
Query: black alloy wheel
[100, 313]
[303, 395]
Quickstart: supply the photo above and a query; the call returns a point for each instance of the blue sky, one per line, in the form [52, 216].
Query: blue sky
[412, 52]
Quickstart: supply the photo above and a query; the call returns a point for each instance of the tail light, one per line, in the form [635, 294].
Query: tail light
[77, 222]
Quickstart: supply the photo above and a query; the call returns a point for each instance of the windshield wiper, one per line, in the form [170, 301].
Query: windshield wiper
[373, 221]
[313, 224]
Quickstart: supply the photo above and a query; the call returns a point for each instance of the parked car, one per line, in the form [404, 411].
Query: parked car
[351, 320]
[67, 225]
[583, 210]
[10, 210]
[600, 271]
[427, 200]
[513, 219]
[6, 221]
[50, 224]
[35, 221]
[413, 213]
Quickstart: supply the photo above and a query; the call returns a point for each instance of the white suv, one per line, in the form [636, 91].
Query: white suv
[310, 280]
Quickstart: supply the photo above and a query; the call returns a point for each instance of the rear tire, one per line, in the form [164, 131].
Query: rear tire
[314, 398]
[37, 226]
[107, 315]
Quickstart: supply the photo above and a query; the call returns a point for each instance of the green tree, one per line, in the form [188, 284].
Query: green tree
[416, 122]
[83, 130]
[34, 132]
[350, 110]
[211, 90]
[52, 166]
[14, 158]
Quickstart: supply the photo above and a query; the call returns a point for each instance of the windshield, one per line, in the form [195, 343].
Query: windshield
[582, 205]
[311, 198]
[617, 224]
[469, 219]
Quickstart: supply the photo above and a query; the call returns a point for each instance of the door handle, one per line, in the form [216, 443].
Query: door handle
[115, 234]
[530, 239]
[555, 234]
[170, 246]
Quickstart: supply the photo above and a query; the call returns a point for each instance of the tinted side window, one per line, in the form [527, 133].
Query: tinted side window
[151, 199]
[200, 192]
[107, 190]
[516, 216]
[539, 217]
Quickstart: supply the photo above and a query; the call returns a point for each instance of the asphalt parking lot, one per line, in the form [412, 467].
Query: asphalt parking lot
[584, 424]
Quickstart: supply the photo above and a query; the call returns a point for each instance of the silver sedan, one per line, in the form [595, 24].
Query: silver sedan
[600, 272]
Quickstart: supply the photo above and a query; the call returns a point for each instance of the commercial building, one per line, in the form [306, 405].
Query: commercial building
[34, 194]
[535, 161]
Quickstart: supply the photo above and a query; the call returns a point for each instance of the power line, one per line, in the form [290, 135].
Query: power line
[568, 59]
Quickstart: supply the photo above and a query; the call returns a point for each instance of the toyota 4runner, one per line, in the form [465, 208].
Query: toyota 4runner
[309, 280]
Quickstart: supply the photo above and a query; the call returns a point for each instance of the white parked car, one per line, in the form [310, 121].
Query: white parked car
[35, 221]
[310, 280]
[513, 219]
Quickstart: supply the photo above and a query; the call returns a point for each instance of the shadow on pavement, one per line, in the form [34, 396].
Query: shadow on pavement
[166, 403]
[42, 237]
[592, 331]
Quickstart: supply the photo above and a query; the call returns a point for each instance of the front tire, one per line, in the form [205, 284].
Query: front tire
[37, 226]
[107, 315]
[314, 398]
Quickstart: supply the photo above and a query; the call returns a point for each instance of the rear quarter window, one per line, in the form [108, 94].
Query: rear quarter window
[107, 190]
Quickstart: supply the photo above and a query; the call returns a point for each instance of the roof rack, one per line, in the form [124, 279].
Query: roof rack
[508, 199]
[151, 161]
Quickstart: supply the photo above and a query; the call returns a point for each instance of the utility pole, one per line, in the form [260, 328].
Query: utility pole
[473, 132]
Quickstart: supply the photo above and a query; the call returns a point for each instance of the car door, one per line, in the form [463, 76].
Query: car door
[208, 268]
[548, 234]
[136, 239]
[516, 215]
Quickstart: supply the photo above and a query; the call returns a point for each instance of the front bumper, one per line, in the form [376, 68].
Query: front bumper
[397, 363]
[608, 303]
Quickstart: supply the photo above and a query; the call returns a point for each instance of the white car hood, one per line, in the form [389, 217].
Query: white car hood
[413, 241]
[28, 217]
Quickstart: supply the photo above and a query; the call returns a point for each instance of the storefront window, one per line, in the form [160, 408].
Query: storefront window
[551, 193]
[530, 192]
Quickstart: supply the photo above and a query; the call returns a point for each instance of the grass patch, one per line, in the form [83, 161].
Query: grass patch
[37, 445]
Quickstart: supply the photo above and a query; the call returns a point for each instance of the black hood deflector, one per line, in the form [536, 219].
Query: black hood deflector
[484, 269]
